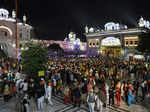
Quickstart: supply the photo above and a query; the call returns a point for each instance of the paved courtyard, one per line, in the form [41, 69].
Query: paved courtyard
[59, 106]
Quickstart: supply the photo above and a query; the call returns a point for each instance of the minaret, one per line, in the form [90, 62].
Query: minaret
[141, 22]
[24, 19]
[86, 29]
[14, 14]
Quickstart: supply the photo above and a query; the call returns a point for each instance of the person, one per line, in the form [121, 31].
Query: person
[107, 93]
[143, 86]
[49, 93]
[40, 95]
[6, 93]
[131, 96]
[125, 89]
[67, 94]
[25, 86]
[111, 95]
[25, 104]
[136, 88]
[84, 91]
[118, 94]
[91, 99]
[99, 103]
[54, 86]
[40, 99]
[89, 87]
[31, 86]
[59, 86]
[77, 96]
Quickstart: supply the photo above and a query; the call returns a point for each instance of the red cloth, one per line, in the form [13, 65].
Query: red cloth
[89, 87]
[5, 68]
[118, 94]
[14, 89]
[42, 83]
[67, 98]
[148, 81]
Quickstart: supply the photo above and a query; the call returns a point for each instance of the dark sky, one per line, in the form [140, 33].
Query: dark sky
[54, 19]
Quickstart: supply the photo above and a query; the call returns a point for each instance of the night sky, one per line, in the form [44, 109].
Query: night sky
[54, 19]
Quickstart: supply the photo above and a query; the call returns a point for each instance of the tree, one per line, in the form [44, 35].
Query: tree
[34, 59]
[144, 42]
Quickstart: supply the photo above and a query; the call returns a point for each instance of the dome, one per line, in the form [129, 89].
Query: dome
[4, 13]
[111, 41]
[91, 30]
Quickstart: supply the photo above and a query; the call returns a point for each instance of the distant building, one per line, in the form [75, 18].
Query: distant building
[116, 39]
[70, 44]
[8, 32]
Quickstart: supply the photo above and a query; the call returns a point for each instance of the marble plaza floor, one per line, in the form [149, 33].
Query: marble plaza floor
[59, 106]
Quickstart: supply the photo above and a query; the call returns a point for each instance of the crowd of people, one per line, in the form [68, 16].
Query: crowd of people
[95, 82]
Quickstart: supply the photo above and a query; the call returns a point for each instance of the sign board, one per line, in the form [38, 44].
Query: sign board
[41, 73]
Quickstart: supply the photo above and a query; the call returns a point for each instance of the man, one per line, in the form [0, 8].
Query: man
[40, 95]
[107, 93]
[91, 99]
[25, 86]
[131, 95]
[49, 93]
[77, 96]
[143, 86]
[111, 95]
[26, 103]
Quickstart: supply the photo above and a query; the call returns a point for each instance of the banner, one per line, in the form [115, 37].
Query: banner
[41, 73]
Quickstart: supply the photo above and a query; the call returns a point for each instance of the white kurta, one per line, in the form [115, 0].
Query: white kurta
[49, 94]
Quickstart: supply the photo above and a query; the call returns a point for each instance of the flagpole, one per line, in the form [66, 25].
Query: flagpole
[16, 29]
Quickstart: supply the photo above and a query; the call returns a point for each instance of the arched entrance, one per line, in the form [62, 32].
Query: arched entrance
[6, 41]
[111, 46]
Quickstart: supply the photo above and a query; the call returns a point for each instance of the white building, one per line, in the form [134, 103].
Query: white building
[8, 32]
[115, 39]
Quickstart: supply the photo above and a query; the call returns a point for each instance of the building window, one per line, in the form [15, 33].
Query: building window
[90, 44]
[135, 42]
[131, 42]
[5, 33]
[20, 35]
[127, 42]
[93, 44]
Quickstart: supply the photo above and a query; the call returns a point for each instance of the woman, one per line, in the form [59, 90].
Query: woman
[67, 94]
[118, 94]
[6, 93]
[131, 96]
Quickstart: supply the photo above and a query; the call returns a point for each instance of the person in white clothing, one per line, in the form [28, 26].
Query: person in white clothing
[91, 99]
[25, 86]
[49, 93]
[107, 93]
[99, 104]
[40, 95]
[40, 103]
[26, 103]
[17, 76]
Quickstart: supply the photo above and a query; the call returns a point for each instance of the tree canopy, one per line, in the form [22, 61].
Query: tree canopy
[34, 59]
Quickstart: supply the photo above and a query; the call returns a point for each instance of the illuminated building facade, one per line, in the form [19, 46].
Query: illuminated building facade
[116, 40]
[70, 43]
[8, 32]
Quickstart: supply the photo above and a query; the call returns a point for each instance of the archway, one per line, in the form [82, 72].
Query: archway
[111, 46]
